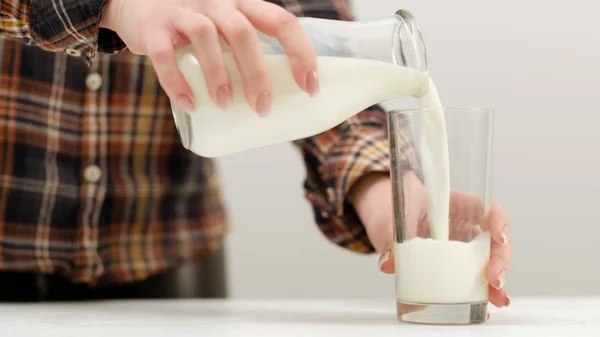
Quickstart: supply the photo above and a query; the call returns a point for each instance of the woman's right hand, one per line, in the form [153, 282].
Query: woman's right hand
[158, 27]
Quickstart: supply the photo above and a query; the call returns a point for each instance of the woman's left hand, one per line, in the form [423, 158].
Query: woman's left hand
[372, 200]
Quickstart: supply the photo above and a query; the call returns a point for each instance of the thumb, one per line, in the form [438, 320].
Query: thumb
[382, 237]
[372, 199]
[380, 230]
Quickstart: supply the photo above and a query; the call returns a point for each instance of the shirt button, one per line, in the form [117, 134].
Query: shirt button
[92, 174]
[93, 81]
[73, 52]
[331, 195]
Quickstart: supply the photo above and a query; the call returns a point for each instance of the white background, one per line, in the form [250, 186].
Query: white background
[537, 63]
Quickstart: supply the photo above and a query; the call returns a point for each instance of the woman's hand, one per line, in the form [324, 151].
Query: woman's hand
[372, 199]
[158, 27]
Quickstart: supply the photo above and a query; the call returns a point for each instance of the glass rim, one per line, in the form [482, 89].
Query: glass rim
[446, 110]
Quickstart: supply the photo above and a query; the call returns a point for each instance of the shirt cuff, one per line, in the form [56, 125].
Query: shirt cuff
[335, 161]
[72, 27]
[109, 42]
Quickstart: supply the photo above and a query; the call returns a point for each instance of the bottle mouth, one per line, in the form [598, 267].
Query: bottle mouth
[410, 48]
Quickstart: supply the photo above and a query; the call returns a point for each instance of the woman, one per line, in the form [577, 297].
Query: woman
[98, 196]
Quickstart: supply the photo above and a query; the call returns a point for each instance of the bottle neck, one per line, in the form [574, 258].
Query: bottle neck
[395, 40]
[407, 43]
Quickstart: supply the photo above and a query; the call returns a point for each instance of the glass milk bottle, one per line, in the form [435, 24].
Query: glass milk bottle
[359, 64]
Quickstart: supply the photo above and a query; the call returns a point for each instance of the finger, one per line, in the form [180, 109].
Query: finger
[422, 226]
[469, 208]
[277, 22]
[475, 231]
[203, 35]
[386, 262]
[373, 192]
[497, 223]
[498, 297]
[503, 252]
[243, 40]
[465, 232]
[161, 52]
[498, 265]
[381, 235]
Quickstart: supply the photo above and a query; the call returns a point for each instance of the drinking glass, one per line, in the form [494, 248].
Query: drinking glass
[441, 278]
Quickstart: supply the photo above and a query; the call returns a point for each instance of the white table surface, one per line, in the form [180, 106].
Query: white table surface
[571, 317]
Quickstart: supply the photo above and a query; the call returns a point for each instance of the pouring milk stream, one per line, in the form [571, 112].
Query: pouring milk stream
[359, 64]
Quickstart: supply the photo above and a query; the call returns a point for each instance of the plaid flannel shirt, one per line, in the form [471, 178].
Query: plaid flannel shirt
[94, 183]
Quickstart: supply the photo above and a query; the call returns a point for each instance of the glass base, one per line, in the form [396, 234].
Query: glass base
[444, 314]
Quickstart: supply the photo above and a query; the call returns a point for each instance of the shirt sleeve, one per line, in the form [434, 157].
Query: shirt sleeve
[59, 26]
[335, 160]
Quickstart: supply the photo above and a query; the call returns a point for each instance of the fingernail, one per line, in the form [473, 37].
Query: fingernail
[501, 279]
[384, 258]
[312, 83]
[504, 235]
[184, 102]
[263, 104]
[507, 301]
[224, 97]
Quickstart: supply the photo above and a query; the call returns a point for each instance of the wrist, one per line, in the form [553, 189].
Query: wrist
[110, 14]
